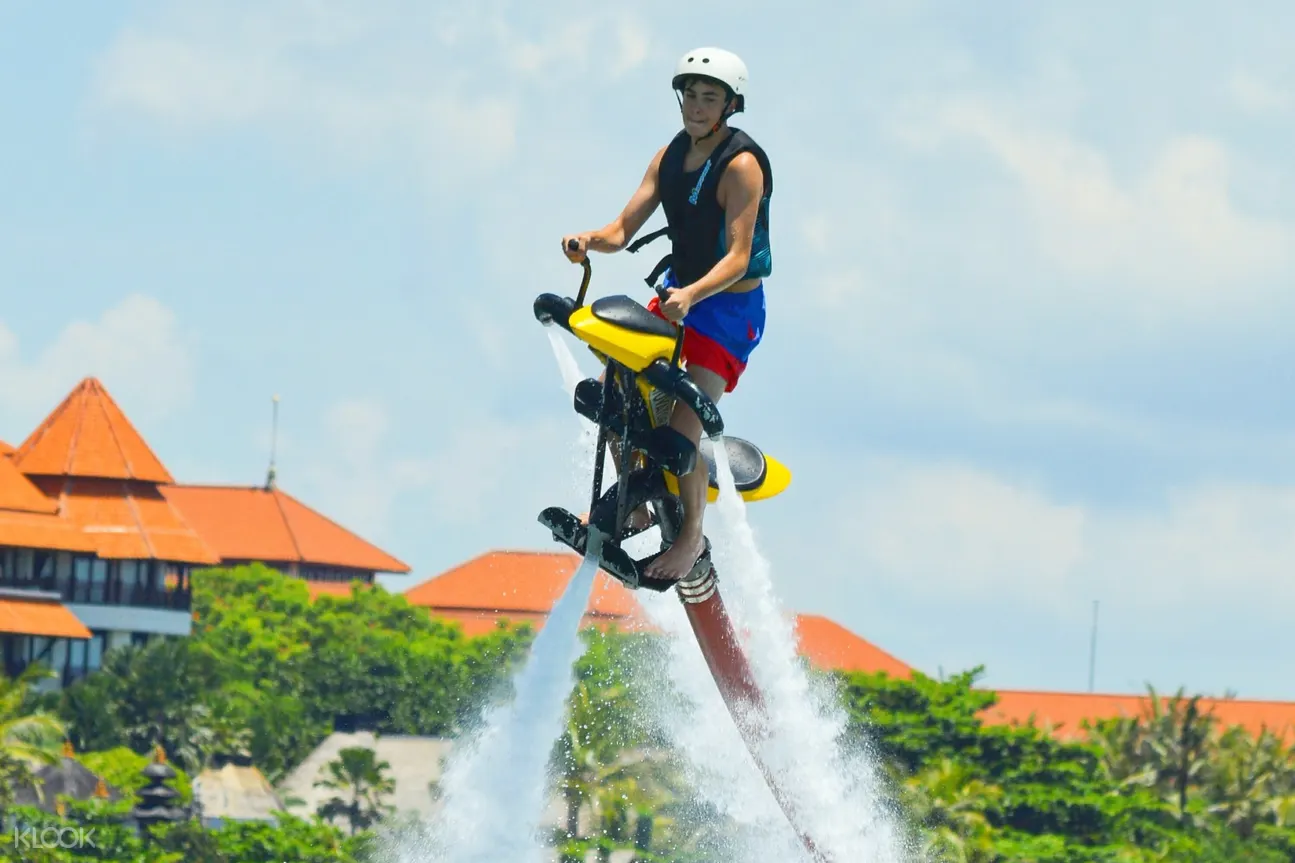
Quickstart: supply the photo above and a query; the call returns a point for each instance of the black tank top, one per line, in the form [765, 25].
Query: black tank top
[695, 220]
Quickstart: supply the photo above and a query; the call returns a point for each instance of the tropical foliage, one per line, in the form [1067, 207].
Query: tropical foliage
[28, 739]
[360, 781]
[267, 674]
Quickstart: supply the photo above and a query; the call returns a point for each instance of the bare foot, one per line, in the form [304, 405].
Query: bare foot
[678, 560]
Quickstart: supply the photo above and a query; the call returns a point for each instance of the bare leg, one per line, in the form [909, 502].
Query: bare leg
[679, 558]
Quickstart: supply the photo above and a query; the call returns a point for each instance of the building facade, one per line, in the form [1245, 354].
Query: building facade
[98, 541]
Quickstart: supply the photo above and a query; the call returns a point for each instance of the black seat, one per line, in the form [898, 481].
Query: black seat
[745, 460]
[625, 312]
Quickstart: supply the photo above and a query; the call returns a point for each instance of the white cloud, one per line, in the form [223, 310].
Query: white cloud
[1210, 545]
[983, 261]
[349, 472]
[207, 83]
[470, 473]
[1257, 95]
[633, 45]
[136, 348]
[528, 56]
[1170, 243]
[441, 86]
[957, 534]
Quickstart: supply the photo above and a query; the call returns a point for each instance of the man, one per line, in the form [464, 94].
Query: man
[714, 184]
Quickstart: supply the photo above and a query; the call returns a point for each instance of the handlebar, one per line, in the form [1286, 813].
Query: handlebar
[662, 293]
[574, 245]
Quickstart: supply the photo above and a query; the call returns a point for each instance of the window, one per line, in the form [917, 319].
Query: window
[23, 568]
[57, 656]
[147, 582]
[98, 581]
[63, 575]
[43, 568]
[128, 580]
[75, 660]
[14, 650]
[97, 645]
[177, 586]
[80, 588]
[139, 639]
[321, 573]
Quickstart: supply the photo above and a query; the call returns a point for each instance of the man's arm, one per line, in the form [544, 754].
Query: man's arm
[740, 189]
[642, 204]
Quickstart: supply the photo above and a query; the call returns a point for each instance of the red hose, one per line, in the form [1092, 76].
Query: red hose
[732, 673]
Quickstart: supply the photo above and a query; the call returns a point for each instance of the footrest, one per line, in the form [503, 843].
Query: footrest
[615, 561]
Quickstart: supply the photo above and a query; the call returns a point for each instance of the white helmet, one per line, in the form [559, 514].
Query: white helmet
[716, 64]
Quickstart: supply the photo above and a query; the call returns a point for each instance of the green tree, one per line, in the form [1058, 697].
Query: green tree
[361, 782]
[27, 739]
[268, 671]
[152, 695]
[1050, 787]
[123, 769]
[1179, 738]
[950, 804]
[609, 760]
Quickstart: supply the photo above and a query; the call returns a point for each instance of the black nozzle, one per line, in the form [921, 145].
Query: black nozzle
[552, 309]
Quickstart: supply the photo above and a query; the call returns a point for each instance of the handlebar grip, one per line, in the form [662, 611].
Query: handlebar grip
[661, 292]
[573, 245]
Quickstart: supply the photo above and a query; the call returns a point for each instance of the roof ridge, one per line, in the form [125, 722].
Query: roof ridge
[139, 522]
[841, 626]
[180, 517]
[287, 525]
[102, 403]
[109, 448]
[278, 491]
[76, 430]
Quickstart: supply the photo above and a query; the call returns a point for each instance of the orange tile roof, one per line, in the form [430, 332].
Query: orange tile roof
[38, 615]
[37, 530]
[87, 435]
[124, 520]
[271, 526]
[19, 495]
[29, 519]
[478, 623]
[317, 589]
[5, 449]
[513, 583]
[829, 645]
[522, 586]
[1066, 711]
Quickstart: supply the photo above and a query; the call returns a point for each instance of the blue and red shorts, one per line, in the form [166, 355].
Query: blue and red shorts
[721, 331]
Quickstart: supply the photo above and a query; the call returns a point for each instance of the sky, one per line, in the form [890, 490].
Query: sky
[1030, 306]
